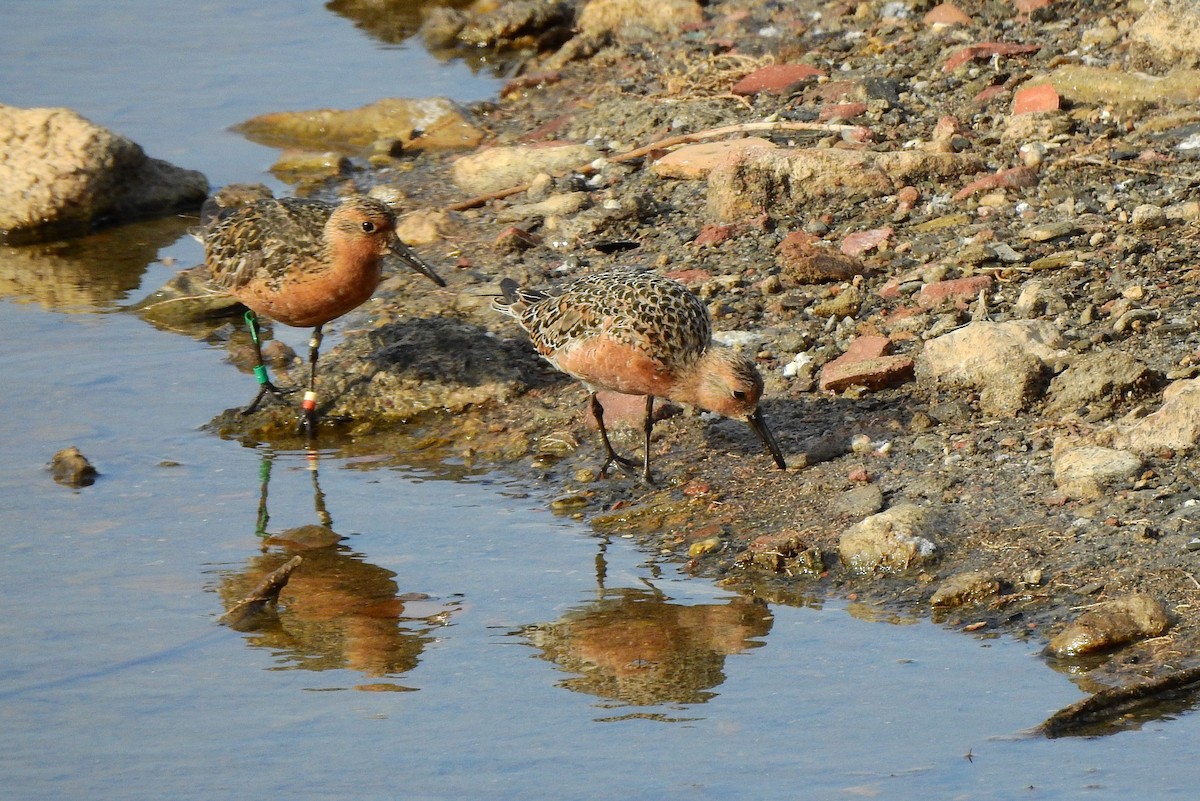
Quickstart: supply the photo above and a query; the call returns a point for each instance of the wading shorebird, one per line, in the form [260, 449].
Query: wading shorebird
[302, 263]
[639, 334]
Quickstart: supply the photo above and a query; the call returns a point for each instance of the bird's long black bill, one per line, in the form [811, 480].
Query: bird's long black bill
[406, 255]
[759, 424]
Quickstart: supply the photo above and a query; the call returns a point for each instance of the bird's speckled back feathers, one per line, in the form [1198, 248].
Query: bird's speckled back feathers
[655, 315]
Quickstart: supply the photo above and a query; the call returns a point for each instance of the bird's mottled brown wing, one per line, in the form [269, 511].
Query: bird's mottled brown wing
[247, 243]
[655, 315]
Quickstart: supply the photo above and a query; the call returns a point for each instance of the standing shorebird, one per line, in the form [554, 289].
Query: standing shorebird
[302, 263]
[640, 334]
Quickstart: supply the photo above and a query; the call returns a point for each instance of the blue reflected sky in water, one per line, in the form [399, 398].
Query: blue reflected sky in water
[175, 76]
[116, 681]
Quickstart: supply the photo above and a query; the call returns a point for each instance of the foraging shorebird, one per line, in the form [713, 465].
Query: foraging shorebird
[302, 263]
[640, 334]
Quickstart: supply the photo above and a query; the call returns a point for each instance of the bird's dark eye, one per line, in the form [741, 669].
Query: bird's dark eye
[368, 226]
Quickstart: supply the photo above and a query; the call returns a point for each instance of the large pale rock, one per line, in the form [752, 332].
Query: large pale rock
[889, 542]
[1008, 362]
[429, 123]
[1175, 426]
[786, 181]
[637, 18]
[1111, 625]
[1167, 35]
[497, 168]
[61, 174]
[1087, 471]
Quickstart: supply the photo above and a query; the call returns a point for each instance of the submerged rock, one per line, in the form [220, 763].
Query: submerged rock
[188, 302]
[72, 469]
[432, 123]
[403, 369]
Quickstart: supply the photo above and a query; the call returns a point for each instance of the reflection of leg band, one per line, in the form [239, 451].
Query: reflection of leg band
[260, 372]
[309, 403]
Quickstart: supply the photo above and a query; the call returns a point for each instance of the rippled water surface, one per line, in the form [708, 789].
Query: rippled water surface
[460, 642]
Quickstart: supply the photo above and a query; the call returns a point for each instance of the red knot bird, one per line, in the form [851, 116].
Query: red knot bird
[303, 263]
[640, 334]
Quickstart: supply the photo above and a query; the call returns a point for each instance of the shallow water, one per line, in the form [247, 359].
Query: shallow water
[461, 642]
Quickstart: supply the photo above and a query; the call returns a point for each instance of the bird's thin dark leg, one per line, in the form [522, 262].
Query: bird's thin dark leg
[308, 407]
[610, 455]
[265, 387]
[648, 426]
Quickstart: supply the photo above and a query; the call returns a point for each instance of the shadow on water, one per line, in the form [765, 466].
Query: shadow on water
[337, 610]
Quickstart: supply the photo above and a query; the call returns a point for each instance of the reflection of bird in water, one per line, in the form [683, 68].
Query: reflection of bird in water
[337, 610]
[303, 263]
[635, 646]
[639, 334]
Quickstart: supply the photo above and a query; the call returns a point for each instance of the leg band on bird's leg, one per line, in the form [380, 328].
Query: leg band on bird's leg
[308, 417]
[265, 387]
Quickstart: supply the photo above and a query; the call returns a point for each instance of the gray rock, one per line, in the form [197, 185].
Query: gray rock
[61, 175]
[889, 542]
[786, 181]
[859, 501]
[965, 588]
[1100, 379]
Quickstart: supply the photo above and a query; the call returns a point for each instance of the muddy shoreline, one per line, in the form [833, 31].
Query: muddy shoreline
[435, 374]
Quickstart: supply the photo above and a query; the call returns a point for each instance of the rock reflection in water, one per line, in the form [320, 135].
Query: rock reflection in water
[635, 646]
[338, 611]
[91, 272]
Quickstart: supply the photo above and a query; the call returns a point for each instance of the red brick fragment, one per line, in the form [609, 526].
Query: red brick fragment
[841, 111]
[860, 242]
[1030, 99]
[713, 234]
[878, 373]
[986, 50]
[953, 290]
[1012, 178]
[776, 79]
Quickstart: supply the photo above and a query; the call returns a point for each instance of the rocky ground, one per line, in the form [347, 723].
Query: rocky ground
[962, 243]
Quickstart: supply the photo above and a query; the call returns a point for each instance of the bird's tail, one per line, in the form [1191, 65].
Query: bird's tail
[513, 299]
